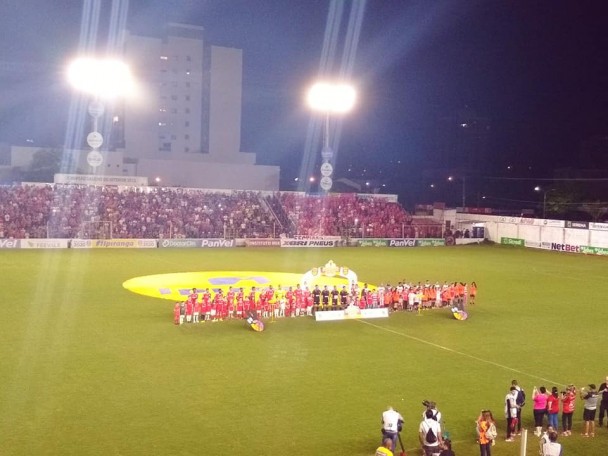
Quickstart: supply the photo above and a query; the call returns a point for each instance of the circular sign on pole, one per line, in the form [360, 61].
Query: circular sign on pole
[327, 153]
[326, 183]
[326, 169]
[96, 109]
[94, 139]
[94, 158]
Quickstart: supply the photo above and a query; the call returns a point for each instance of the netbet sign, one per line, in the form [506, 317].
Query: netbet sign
[566, 247]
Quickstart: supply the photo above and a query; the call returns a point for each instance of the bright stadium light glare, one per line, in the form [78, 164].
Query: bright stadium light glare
[332, 98]
[104, 78]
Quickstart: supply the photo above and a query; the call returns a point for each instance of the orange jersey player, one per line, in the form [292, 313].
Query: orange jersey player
[473, 292]
[176, 313]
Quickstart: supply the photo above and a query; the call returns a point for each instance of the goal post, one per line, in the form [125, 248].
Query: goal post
[96, 230]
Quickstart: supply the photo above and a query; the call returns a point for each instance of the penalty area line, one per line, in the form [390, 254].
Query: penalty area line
[466, 355]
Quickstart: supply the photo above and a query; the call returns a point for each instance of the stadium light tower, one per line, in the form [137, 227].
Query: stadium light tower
[102, 79]
[464, 189]
[540, 189]
[330, 99]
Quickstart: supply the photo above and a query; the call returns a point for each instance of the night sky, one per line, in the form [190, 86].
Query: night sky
[530, 75]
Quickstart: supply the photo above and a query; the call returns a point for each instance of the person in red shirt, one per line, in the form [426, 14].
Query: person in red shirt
[215, 307]
[291, 302]
[198, 305]
[192, 297]
[206, 304]
[299, 294]
[240, 304]
[189, 310]
[568, 399]
[230, 303]
[309, 301]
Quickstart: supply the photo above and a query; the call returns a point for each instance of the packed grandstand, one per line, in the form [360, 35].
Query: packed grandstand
[103, 212]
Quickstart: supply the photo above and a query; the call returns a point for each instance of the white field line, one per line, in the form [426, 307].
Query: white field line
[466, 355]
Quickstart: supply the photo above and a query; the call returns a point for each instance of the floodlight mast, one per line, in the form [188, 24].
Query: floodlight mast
[330, 98]
[102, 79]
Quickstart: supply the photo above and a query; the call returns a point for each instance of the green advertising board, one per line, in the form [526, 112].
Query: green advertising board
[430, 242]
[373, 242]
[594, 250]
[512, 241]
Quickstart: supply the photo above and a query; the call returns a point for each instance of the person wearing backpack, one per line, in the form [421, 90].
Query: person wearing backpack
[520, 401]
[429, 434]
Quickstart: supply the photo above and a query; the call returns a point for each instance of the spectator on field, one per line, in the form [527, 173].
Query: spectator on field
[511, 413]
[568, 399]
[590, 398]
[551, 448]
[539, 396]
[429, 434]
[385, 448]
[486, 432]
[603, 392]
[521, 394]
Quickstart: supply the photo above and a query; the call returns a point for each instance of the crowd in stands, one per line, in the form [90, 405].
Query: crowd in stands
[79, 211]
[347, 213]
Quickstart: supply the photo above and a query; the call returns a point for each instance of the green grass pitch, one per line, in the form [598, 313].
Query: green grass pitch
[88, 368]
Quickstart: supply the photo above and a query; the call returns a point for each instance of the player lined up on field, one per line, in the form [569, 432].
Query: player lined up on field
[293, 301]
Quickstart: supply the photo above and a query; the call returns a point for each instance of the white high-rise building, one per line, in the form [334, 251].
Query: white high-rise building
[184, 126]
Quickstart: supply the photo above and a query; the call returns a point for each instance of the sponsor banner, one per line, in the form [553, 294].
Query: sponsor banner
[579, 225]
[509, 219]
[565, 247]
[407, 242]
[286, 242]
[10, 243]
[351, 313]
[553, 223]
[372, 242]
[430, 242]
[319, 238]
[594, 250]
[598, 226]
[44, 243]
[91, 179]
[533, 244]
[526, 221]
[262, 243]
[179, 243]
[113, 243]
[512, 241]
[545, 245]
[218, 243]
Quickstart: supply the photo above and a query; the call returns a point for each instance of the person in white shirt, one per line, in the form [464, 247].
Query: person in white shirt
[391, 425]
[551, 448]
[429, 434]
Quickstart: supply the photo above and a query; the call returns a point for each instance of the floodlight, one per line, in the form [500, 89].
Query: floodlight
[107, 78]
[331, 98]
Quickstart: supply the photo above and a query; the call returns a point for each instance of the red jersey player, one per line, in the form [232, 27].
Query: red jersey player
[240, 304]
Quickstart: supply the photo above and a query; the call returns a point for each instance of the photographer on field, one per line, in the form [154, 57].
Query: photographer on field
[392, 423]
[430, 405]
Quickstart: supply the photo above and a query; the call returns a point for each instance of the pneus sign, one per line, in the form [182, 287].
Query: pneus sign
[195, 243]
